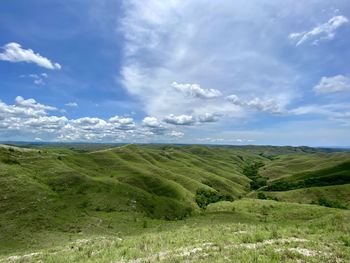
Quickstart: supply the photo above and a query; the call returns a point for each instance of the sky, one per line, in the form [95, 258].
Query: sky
[170, 71]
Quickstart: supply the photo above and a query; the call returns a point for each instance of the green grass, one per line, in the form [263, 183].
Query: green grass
[340, 193]
[245, 231]
[335, 175]
[51, 196]
[318, 178]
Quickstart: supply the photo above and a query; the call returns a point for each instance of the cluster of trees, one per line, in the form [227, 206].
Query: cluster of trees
[251, 171]
[204, 197]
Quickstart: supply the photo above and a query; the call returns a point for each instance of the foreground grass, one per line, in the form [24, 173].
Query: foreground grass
[241, 231]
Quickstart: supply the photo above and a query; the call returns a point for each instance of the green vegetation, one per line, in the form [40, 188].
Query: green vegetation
[329, 203]
[336, 175]
[254, 231]
[93, 203]
[252, 172]
[205, 197]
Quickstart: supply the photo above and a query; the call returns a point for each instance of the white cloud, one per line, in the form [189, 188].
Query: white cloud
[265, 105]
[342, 117]
[29, 119]
[31, 103]
[208, 117]
[72, 104]
[309, 109]
[151, 122]
[39, 82]
[214, 140]
[324, 31]
[122, 123]
[180, 119]
[176, 134]
[333, 84]
[173, 40]
[195, 90]
[38, 78]
[13, 52]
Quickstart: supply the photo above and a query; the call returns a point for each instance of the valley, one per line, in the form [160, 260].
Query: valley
[150, 203]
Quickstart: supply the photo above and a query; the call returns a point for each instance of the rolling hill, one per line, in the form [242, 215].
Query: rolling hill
[54, 192]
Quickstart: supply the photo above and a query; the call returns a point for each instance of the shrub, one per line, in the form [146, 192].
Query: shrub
[251, 171]
[205, 197]
[261, 195]
[329, 203]
[11, 150]
[145, 224]
[345, 240]
[258, 182]
[10, 161]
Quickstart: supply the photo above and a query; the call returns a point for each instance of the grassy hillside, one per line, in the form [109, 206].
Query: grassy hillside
[335, 193]
[242, 231]
[290, 164]
[319, 178]
[54, 188]
[51, 195]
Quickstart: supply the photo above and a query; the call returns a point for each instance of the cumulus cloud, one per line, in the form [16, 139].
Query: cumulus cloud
[122, 123]
[180, 119]
[265, 105]
[208, 117]
[151, 122]
[326, 31]
[13, 52]
[333, 84]
[33, 120]
[195, 90]
[32, 104]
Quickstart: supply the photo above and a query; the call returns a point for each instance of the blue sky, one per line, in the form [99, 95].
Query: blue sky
[224, 72]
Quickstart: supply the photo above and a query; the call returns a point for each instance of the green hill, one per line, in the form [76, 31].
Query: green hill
[51, 194]
[52, 188]
[319, 178]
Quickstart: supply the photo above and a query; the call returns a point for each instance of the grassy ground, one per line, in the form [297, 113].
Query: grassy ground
[241, 231]
[137, 203]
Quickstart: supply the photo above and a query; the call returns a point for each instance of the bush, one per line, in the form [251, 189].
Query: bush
[261, 195]
[258, 182]
[251, 171]
[205, 197]
[329, 203]
[10, 161]
[145, 224]
[345, 240]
